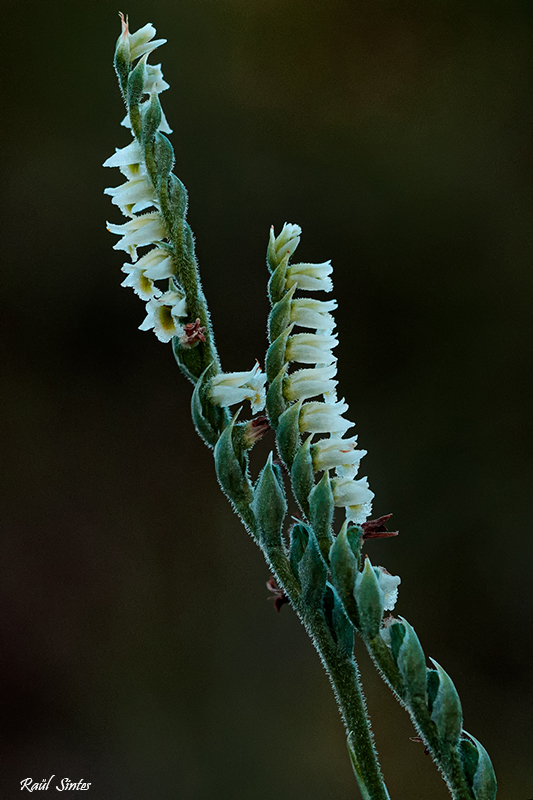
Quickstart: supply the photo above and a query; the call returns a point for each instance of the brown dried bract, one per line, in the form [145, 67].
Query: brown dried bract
[278, 595]
[375, 528]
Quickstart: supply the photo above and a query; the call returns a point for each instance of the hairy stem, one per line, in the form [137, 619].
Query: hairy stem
[344, 677]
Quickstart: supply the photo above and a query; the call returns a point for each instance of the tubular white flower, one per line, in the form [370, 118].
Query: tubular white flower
[310, 313]
[310, 277]
[334, 452]
[285, 243]
[316, 417]
[154, 266]
[133, 196]
[129, 157]
[227, 389]
[388, 585]
[157, 264]
[311, 348]
[142, 285]
[141, 42]
[153, 79]
[354, 496]
[306, 383]
[163, 314]
[138, 232]
[349, 492]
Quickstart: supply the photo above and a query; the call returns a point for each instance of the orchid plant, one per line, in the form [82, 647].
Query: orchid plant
[317, 563]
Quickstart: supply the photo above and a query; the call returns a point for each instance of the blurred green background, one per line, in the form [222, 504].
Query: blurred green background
[138, 650]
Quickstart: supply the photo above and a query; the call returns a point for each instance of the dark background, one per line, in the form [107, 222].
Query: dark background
[138, 650]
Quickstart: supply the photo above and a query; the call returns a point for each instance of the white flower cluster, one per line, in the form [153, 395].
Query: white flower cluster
[326, 416]
[164, 310]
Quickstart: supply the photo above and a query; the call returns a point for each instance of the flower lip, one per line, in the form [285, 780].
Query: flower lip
[163, 314]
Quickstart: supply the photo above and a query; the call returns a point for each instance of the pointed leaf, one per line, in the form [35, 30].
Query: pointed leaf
[321, 510]
[302, 475]
[206, 417]
[136, 84]
[343, 628]
[412, 664]
[151, 119]
[312, 573]
[122, 63]
[485, 785]
[275, 401]
[299, 536]
[288, 433]
[230, 473]
[447, 713]
[369, 601]
[276, 284]
[343, 564]
[397, 635]
[280, 317]
[269, 505]
[164, 156]
[177, 199]
[469, 759]
[275, 356]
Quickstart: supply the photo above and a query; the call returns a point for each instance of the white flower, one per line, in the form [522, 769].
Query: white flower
[310, 277]
[347, 470]
[142, 285]
[359, 513]
[318, 417]
[305, 383]
[283, 244]
[153, 79]
[387, 584]
[157, 264]
[334, 452]
[154, 266]
[134, 195]
[128, 159]
[311, 348]
[163, 315]
[227, 389]
[138, 232]
[310, 313]
[354, 496]
[141, 41]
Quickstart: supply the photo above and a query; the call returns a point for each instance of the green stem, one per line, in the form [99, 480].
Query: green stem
[344, 677]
